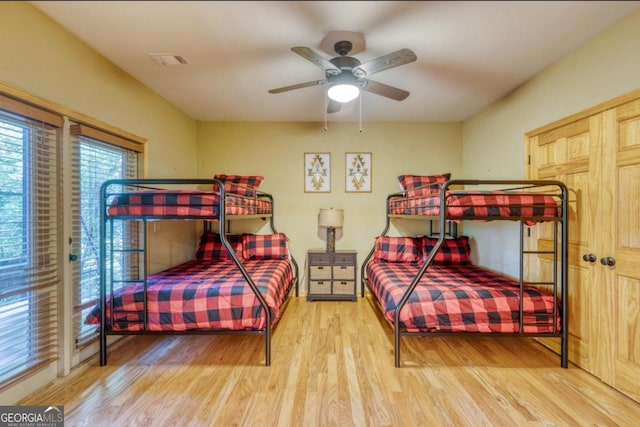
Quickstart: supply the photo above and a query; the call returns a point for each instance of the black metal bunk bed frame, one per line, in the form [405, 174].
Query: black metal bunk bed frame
[222, 220]
[450, 228]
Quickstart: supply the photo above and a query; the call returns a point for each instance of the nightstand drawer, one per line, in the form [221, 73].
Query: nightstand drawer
[320, 272]
[344, 259]
[321, 258]
[320, 287]
[344, 272]
[344, 287]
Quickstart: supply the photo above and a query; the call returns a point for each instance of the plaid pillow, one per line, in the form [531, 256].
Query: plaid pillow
[239, 184]
[452, 251]
[422, 185]
[396, 249]
[211, 247]
[265, 246]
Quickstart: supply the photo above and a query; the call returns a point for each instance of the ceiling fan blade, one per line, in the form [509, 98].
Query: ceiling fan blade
[317, 59]
[385, 90]
[334, 106]
[299, 86]
[384, 62]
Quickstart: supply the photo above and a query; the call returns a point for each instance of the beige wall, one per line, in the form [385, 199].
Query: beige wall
[605, 67]
[276, 151]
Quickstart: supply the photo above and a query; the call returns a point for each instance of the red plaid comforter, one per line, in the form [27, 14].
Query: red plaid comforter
[459, 298]
[192, 203]
[478, 204]
[202, 295]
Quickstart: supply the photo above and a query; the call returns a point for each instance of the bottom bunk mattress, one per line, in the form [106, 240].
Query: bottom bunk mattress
[461, 298]
[201, 295]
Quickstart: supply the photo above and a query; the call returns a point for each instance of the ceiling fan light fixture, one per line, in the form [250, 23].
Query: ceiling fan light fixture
[343, 92]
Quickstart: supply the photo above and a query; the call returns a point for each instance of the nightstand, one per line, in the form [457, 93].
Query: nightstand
[331, 275]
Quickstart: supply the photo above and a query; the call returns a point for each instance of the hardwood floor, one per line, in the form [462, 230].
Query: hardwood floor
[332, 365]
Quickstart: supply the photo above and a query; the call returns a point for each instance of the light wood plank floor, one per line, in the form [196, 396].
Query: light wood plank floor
[332, 365]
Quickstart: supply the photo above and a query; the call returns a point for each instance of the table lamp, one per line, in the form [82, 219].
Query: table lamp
[331, 219]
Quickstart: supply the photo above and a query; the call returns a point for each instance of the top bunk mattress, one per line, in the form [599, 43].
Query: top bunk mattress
[184, 203]
[479, 204]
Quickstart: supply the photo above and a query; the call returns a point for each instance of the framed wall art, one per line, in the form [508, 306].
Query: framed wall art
[317, 172]
[358, 172]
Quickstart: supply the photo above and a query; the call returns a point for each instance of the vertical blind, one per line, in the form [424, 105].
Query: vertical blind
[30, 238]
[93, 162]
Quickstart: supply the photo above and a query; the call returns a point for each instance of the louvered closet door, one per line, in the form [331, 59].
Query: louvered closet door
[569, 153]
[620, 203]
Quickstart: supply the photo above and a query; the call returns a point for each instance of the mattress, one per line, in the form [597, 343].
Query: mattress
[184, 203]
[479, 204]
[460, 298]
[202, 295]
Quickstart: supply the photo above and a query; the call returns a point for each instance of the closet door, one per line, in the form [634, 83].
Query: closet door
[620, 244]
[570, 153]
[597, 155]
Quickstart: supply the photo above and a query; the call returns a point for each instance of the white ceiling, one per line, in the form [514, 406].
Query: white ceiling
[469, 53]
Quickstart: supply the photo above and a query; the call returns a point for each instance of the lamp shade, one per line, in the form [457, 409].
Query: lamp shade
[330, 217]
[343, 92]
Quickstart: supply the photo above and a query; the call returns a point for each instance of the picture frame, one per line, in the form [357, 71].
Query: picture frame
[317, 172]
[358, 172]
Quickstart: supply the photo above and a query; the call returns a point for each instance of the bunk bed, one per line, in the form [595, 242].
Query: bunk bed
[236, 283]
[427, 285]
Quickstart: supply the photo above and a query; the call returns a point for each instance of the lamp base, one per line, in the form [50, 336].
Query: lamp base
[331, 239]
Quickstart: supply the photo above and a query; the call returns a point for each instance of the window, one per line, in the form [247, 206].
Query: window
[44, 294]
[30, 231]
[94, 162]
[13, 195]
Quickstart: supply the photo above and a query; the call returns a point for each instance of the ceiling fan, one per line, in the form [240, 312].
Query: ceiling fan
[346, 75]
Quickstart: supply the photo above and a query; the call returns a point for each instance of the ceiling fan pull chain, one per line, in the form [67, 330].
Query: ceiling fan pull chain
[360, 113]
[326, 106]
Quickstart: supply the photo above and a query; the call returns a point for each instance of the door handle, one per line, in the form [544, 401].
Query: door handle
[610, 261]
[589, 257]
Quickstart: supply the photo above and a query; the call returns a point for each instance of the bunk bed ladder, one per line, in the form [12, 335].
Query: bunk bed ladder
[553, 283]
[122, 277]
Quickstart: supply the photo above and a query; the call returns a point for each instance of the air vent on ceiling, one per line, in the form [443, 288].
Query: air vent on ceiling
[168, 59]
